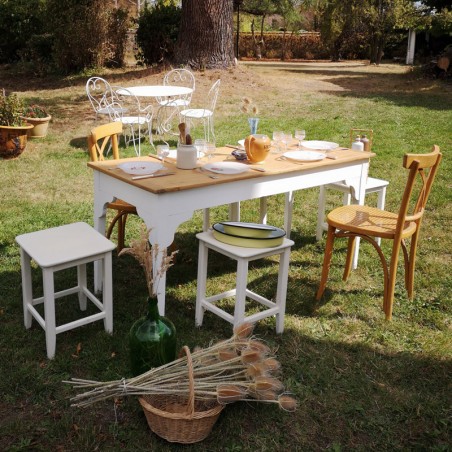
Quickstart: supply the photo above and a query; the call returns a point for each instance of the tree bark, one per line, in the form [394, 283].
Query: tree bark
[205, 38]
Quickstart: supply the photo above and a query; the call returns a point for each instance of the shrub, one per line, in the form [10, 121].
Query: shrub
[157, 32]
[87, 33]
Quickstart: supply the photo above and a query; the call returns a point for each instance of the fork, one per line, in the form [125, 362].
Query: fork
[203, 171]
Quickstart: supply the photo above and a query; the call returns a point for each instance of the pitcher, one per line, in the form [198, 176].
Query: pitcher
[257, 147]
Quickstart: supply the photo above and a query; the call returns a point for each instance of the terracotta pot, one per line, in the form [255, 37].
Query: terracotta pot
[40, 126]
[13, 140]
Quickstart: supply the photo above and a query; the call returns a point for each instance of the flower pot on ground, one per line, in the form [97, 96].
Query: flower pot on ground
[13, 129]
[38, 117]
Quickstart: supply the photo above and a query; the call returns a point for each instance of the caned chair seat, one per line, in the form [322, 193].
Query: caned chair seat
[370, 221]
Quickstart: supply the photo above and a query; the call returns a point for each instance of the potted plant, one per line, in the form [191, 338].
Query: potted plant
[13, 129]
[39, 118]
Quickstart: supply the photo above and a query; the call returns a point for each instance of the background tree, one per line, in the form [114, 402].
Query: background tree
[206, 34]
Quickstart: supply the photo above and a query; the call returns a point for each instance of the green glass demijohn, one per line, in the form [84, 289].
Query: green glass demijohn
[152, 340]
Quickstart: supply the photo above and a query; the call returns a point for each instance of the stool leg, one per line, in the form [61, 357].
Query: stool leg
[281, 291]
[240, 294]
[203, 258]
[107, 293]
[49, 311]
[27, 290]
[81, 279]
[321, 213]
[234, 211]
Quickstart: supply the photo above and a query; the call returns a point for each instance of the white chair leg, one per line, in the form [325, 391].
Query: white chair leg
[240, 294]
[107, 293]
[27, 290]
[281, 293]
[49, 311]
[203, 259]
[234, 211]
[206, 219]
[81, 280]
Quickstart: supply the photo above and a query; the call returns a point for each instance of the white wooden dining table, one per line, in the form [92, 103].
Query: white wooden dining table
[166, 202]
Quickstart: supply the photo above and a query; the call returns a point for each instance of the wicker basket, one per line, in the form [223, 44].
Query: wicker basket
[181, 419]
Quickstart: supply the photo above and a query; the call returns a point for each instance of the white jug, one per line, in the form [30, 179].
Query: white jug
[187, 155]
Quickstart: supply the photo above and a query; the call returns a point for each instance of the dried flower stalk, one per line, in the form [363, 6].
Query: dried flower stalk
[247, 106]
[220, 373]
[146, 255]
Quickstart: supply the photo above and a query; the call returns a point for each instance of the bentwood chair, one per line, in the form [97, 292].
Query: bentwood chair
[373, 185]
[370, 223]
[99, 140]
[204, 114]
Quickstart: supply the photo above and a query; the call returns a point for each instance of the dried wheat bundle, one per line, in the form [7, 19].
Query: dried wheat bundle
[239, 368]
[247, 106]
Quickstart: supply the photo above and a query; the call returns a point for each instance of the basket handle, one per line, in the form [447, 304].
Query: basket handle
[191, 382]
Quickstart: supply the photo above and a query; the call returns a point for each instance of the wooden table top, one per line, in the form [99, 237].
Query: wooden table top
[188, 179]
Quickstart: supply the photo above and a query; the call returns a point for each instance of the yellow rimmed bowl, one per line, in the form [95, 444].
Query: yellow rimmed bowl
[251, 230]
[274, 238]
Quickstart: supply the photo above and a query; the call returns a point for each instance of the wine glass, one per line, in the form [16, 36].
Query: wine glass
[200, 146]
[277, 138]
[300, 135]
[162, 152]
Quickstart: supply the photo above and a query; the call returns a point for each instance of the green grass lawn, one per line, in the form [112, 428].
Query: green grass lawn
[361, 382]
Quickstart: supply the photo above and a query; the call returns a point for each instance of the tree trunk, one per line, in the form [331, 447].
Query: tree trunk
[205, 38]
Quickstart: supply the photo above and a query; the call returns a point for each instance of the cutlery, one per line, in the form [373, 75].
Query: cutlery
[146, 176]
[203, 171]
[262, 170]
[239, 148]
[332, 157]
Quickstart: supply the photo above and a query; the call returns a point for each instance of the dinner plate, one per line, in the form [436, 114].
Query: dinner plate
[304, 156]
[319, 145]
[275, 238]
[173, 154]
[226, 167]
[252, 230]
[140, 167]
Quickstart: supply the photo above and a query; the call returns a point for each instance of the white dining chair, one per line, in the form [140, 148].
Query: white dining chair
[100, 95]
[204, 114]
[178, 77]
[125, 107]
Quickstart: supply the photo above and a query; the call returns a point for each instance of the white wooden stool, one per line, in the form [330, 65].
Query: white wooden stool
[72, 245]
[243, 256]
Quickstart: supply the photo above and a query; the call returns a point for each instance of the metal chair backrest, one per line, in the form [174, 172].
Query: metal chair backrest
[213, 95]
[99, 93]
[181, 77]
[100, 139]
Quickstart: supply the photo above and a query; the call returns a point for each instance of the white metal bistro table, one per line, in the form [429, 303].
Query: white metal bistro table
[163, 94]
[166, 202]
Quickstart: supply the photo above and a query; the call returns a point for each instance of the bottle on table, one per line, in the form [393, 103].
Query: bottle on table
[358, 145]
[366, 143]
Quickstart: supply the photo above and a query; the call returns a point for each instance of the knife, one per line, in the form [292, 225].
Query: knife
[151, 175]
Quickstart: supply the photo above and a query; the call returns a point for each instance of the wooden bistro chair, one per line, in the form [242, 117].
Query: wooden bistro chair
[99, 141]
[370, 223]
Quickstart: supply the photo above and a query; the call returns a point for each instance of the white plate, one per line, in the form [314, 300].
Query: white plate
[304, 156]
[173, 154]
[226, 167]
[140, 167]
[319, 145]
[241, 142]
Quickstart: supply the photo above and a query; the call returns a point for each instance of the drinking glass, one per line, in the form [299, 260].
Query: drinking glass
[286, 139]
[200, 146]
[277, 138]
[162, 152]
[209, 150]
[300, 135]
